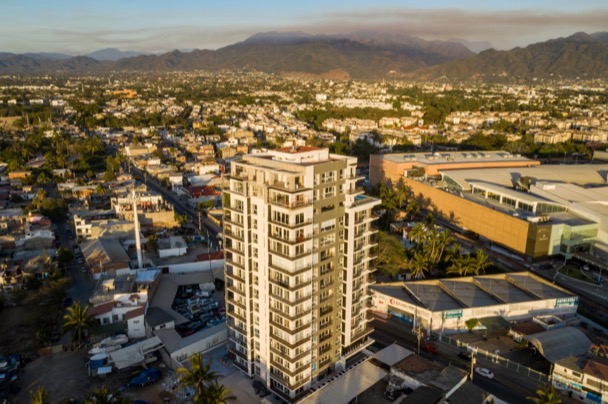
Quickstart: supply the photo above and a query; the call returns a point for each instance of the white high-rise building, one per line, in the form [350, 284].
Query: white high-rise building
[300, 256]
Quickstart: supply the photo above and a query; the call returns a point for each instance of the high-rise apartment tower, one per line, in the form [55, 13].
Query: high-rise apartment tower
[300, 244]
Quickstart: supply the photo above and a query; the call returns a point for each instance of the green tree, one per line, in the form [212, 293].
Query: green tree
[39, 199]
[198, 377]
[152, 242]
[391, 254]
[78, 321]
[389, 201]
[40, 396]
[103, 396]
[417, 233]
[217, 394]
[471, 323]
[181, 219]
[461, 265]
[480, 262]
[64, 256]
[545, 394]
[419, 266]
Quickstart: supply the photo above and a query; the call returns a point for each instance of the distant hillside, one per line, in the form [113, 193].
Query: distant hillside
[579, 55]
[112, 54]
[22, 64]
[359, 55]
[285, 53]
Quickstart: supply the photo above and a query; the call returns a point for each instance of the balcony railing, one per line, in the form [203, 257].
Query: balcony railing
[290, 271]
[292, 240]
[291, 288]
[286, 203]
[289, 329]
[290, 225]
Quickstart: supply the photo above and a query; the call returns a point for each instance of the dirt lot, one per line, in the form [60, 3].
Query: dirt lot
[62, 373]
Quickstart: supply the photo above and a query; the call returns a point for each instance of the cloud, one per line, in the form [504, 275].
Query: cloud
[209, 30]
[504, 29]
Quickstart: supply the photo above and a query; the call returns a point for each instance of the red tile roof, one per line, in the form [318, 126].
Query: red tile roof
[100, 309]
[135, 313]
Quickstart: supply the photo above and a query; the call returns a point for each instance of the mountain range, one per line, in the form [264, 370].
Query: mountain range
[358, 55]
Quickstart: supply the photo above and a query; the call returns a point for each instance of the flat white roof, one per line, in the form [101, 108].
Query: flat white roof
[392, 354]
[348, 386]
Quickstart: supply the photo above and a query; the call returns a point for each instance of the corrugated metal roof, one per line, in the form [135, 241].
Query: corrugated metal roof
[560, 343]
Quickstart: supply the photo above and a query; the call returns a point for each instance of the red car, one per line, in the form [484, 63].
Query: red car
[430, 348]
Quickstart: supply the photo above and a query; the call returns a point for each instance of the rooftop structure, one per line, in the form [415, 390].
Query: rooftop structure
[393, 166]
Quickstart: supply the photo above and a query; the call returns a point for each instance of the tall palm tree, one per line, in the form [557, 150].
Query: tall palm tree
[40, 396]
[418, 233]
[403, 193]
[389, 201]
[545, 395]
[445, 239]
[419, 266]
[78, 321]
[199, 376]
[412, 208]
[217, 394]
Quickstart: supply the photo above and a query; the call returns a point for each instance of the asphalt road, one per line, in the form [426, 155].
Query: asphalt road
[180, 206]
[82, 284]
[507, 384]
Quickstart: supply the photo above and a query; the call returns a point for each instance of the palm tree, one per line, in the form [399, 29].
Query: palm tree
[545, 395]
[78, 321]
[445, 239]
[480, 262]
[103, 396]
[198, 377]
[418, 233]
[461, 266]
[403, 193]
[100, 189]
[429, 220]
[412, 208]
[419, 266]
[39, 198]
[389, 201]
[217, 394]
[40, 396]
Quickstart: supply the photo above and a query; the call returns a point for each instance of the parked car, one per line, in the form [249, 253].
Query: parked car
[148, 376]
[484, 372]
[430, 348]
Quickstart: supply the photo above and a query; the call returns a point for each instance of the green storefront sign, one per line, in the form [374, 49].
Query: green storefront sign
[452, 314]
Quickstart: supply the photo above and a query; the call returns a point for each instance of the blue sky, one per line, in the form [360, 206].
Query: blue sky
[82, 26]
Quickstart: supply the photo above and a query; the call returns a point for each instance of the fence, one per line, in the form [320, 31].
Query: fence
[509, 364]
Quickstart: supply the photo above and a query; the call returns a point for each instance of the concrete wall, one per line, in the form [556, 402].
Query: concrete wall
[203, 345]
[509, 231]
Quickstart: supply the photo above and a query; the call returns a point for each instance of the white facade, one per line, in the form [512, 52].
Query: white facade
[299, 246]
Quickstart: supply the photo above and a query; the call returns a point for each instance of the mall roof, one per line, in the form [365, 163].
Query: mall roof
[580, 174]
[473, 291]
[454, 157]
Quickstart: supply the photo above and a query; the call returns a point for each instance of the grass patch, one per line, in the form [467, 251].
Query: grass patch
[575, 272]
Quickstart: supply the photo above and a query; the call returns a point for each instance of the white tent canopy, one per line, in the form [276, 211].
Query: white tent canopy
[134, 354]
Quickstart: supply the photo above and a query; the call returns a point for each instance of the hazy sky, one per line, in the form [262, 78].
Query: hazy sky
[82, 26]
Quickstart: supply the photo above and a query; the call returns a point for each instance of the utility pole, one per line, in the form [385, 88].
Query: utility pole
[473, 360]
[419, 336]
